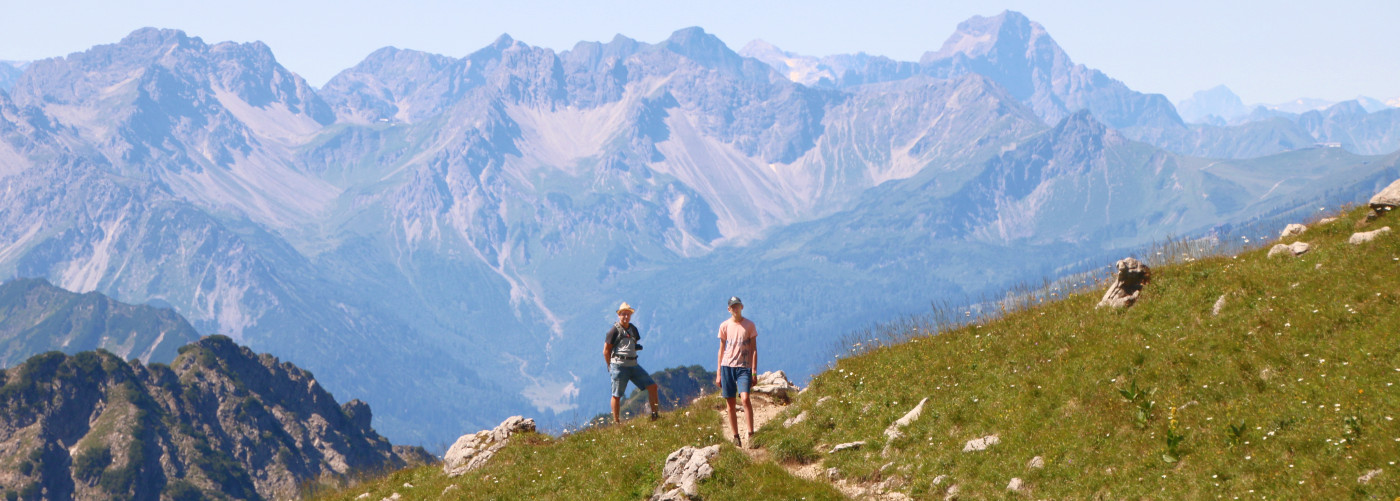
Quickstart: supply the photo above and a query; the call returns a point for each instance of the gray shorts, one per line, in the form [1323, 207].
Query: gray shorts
[621, 375]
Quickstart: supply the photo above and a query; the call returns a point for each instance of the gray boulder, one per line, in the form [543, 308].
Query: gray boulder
[1293, 230]
[1290, 250]
[1387, 199]
[1128, 282]
[981, 444]
[1367, 236]
[472, 451]
[684, 469]
[775, 383]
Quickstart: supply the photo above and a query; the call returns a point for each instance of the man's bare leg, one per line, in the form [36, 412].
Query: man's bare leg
[653, 400]
[616, 409]
[748, 412]
[733, 419]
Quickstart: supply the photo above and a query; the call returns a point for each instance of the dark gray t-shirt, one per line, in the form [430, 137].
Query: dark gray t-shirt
[624, 344]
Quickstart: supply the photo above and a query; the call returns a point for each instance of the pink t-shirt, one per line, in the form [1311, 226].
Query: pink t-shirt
[740, 341]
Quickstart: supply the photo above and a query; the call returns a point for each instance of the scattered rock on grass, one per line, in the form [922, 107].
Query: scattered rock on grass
[981, 444]
[893, 431]
[1128, 282]
[1293, 230]
[684, 469]
[1327, 220]
[1387, 199]
[1219, 305]
[363, 496]
[952, 493]
[448, 489]
[1289, 250]
[472, 451]
[1015, 485]
[1036, 463]
[795, 420]
[823, 400]
[393, 497]
[1366, 479]
[847, 446]
[774, 383]
[1367, 236]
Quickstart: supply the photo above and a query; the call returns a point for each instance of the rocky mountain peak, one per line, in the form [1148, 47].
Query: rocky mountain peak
[1009, 34]
[703, 48]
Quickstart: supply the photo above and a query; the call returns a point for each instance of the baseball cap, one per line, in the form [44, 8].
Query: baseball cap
[734, 300]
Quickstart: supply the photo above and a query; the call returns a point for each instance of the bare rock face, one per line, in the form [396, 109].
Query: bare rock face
[775, 383]
[1290, 250]
[684, 469]
[1293, 230]
[472, 451]
[1131, 277]
[1367, 236]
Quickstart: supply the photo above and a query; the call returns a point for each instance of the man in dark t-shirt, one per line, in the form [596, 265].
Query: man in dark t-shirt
[620, 353]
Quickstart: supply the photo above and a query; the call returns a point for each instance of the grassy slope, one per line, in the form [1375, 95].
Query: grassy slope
[609, 463]
[1302, 360]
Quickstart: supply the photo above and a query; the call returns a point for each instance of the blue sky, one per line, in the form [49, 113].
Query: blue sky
[1267, 52]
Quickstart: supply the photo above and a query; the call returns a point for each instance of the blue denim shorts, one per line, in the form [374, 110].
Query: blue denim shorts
[734, 380]
[621, 375]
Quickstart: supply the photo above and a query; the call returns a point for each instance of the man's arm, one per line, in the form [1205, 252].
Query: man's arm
[753, 360]
[719, 356]
[607, 354]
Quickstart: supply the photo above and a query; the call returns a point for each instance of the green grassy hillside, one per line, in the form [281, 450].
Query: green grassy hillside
[1289, 392]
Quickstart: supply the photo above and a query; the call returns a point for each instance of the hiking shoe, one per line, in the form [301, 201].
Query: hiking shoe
[654, 416]
[737, 443]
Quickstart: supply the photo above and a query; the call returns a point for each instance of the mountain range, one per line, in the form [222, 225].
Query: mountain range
[447, 237]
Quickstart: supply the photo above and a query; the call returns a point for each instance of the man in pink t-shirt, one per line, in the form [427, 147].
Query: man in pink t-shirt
[738, 359]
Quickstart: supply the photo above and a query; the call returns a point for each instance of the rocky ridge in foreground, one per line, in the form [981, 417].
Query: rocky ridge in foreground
[220, 422]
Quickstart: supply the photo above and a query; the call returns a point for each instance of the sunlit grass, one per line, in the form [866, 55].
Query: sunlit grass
[612, 462]
[1288, 393]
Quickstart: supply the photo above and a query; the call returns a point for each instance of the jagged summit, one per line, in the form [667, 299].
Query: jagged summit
[704, 48]
[1005, 34]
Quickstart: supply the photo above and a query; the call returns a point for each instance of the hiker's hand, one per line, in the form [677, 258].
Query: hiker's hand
[717, 381]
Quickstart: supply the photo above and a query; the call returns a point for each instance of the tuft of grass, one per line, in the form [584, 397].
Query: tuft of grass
[1292, 391]
[621, 462]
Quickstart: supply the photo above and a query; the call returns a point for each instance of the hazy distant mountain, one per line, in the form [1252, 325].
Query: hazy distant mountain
[1216, 106]
[9, 73]
[447, 237]
[36, 317]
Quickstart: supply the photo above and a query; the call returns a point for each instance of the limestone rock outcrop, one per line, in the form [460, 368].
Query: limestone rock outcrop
[1387, 199]
[775, 383]
[1131, 276]
[1293, 230]
[1290, 250]
[684, 469]
[473, 450]
[1367, 236]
